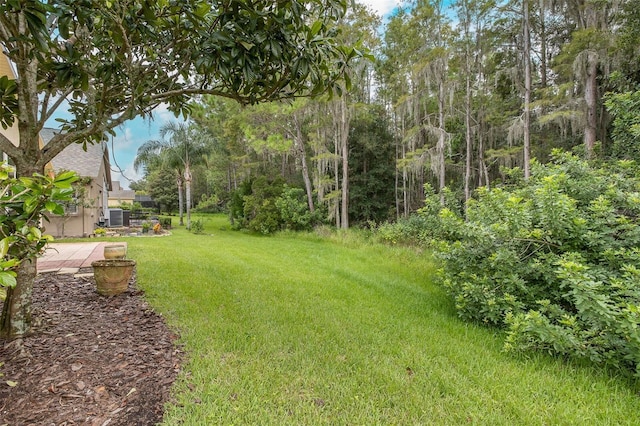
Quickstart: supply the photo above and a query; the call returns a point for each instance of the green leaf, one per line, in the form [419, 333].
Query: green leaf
[65, 179]
[247, 45]
[59, 209]
[50, 206]
[4, 246]
[7, 279]
[35, 232]
[315, 28]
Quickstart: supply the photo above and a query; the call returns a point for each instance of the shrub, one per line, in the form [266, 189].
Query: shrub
[425, 226]
[294, 210]
[267, 206]
[260, 211]
[236, 204]
[210, 204]
[554, 259]
[197, 226]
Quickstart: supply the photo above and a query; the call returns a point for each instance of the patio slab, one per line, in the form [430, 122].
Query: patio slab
[69, 258]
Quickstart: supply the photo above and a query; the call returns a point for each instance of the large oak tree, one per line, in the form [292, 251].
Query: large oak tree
[108, 61]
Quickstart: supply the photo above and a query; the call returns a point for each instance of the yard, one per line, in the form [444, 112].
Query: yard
[299, 329]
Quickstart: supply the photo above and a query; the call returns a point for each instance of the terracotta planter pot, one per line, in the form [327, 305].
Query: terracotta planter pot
[112, 275]
[116, 251]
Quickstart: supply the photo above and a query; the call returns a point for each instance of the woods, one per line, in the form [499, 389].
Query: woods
[457, 91]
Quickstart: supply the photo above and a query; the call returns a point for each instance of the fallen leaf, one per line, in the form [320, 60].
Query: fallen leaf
[76, 366]
[12, 383]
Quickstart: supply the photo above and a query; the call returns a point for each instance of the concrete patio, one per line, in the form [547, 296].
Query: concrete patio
[70, 258]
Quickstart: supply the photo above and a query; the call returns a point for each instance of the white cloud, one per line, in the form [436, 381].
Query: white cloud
[162, 114]
[382, 7]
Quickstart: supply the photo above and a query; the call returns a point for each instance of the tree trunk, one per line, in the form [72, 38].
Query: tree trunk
[591, 100]
[336, 170]
[344, 148]
[405, 179]
[526, 54]
[16, 312]
[467, 115]
[302, 156]
[187, 182]
[441, 142]
[180, 199]
[543, 45]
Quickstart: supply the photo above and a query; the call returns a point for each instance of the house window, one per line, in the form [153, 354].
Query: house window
[71, 208]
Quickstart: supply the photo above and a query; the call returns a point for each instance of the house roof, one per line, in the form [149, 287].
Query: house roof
[122, 194]
[74, 158]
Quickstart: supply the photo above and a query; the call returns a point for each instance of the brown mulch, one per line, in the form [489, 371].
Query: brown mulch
[92, 360]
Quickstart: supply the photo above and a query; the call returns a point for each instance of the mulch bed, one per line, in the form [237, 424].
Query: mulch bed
[92, 360]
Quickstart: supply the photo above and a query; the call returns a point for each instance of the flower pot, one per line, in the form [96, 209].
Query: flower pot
[112, 275]
[115, 251]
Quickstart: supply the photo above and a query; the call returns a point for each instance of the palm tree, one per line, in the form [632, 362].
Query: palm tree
[180, 148]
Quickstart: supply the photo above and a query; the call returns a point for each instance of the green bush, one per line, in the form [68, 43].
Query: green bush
[209, 204]
[294, 210]
[236, 204]
[267, 206]
[423, 227]
[260, 211]
[197, 226]
[554, 259]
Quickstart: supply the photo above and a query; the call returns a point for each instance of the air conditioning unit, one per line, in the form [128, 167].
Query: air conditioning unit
[115, 217]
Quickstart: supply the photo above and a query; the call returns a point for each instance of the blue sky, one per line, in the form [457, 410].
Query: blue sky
[132, 134]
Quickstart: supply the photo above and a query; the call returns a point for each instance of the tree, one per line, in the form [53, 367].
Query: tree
[164, 195]
[183, 149]
[109, 61]
[371, 166]
[588, 54]
[222, 120]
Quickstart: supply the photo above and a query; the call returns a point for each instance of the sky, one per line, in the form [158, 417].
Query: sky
[132, 134]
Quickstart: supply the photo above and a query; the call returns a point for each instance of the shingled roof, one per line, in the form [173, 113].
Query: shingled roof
[74, 158]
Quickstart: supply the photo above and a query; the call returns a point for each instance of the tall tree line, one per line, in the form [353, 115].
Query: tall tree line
[452, 94]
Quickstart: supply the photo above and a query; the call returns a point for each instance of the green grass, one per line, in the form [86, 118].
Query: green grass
[301, 330]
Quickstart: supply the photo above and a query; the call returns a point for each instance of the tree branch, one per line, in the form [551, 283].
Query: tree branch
[6, 146]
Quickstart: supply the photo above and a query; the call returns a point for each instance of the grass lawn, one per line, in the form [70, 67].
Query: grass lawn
[301, 330]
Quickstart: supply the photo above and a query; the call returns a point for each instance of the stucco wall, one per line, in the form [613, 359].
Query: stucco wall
[82, 223]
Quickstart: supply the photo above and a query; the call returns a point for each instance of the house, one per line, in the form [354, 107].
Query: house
[119, 196]
[90, 208]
